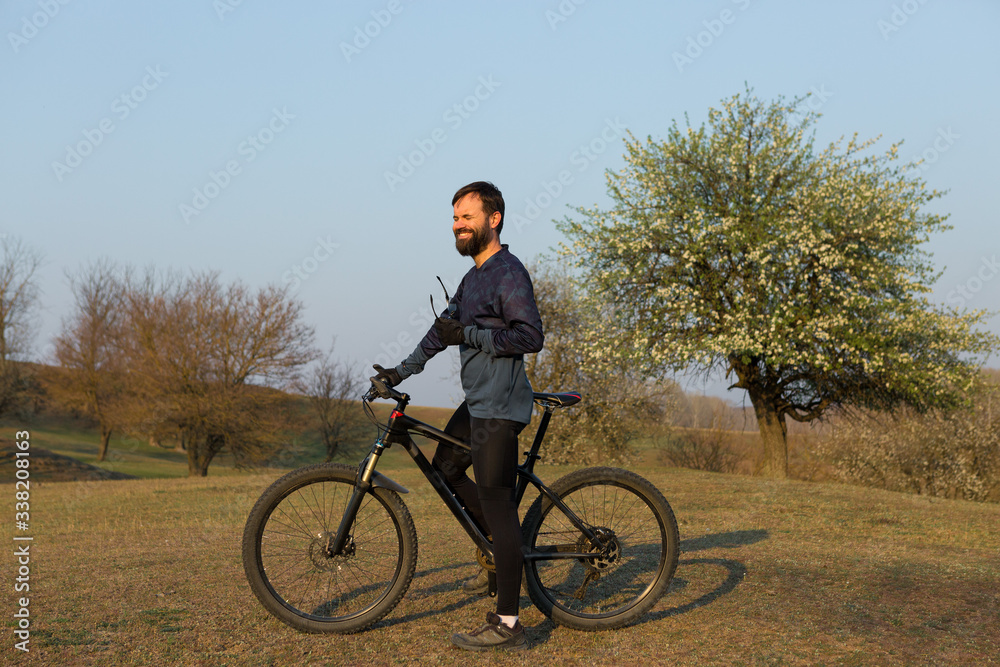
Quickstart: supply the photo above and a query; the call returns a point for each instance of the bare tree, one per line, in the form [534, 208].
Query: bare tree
[333, 388]
[88, 348]
[209, 361]
[19, 295]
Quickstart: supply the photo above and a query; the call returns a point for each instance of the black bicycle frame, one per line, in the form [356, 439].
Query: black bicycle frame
[398, 432]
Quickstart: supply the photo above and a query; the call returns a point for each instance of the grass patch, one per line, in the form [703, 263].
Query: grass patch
[148, 572]
[78, 439]
[163, 620]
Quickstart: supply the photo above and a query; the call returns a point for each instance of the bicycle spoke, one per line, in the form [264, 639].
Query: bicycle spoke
[601, 584]
[293, 551]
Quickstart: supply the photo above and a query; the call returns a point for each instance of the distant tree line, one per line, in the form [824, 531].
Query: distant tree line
[19, 296]
[736, 246]
[162, 355]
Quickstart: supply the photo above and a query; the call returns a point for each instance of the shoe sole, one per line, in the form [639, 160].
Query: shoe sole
[496, 647]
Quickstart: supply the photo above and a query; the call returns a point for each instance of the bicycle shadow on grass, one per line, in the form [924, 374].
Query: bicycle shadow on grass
[735, 573]
[435, 589]
[730, 540]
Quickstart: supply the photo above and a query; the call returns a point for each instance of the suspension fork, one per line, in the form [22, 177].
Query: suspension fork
[362, 485]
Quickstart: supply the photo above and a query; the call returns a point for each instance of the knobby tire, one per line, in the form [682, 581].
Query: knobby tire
[292, 574]
[630, 570]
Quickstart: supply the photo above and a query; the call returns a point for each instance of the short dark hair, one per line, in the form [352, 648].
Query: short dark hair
[488, 194]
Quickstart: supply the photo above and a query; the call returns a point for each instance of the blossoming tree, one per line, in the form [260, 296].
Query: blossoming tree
[739, 246]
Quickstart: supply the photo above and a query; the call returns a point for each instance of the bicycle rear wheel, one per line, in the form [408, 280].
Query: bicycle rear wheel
[289, 568]
[632, 563]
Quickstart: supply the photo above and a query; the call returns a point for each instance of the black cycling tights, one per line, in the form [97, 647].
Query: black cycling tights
[491, 501]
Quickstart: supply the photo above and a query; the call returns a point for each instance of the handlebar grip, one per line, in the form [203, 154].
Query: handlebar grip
[381, 388]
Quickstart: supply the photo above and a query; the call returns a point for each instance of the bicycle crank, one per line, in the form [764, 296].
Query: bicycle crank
[490, 567]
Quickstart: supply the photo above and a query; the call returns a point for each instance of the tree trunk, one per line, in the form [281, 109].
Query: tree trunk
[197, 465]
[102, 453]
[331, 447]
[199, 455]
[774, 435]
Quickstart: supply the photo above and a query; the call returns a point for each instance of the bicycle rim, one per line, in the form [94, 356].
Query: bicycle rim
[303, 578]
[609, 585]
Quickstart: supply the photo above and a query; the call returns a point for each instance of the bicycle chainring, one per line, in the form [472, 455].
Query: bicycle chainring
[485, 561]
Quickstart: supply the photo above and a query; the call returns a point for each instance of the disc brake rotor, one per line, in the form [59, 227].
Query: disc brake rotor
[605, 558]
[319, 552]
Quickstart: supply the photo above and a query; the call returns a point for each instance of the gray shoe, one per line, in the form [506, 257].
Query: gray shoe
[478, 585]
[492, 635]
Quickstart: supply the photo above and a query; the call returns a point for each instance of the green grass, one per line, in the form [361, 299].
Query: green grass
[125, 455]
[148, 572]
[79, 439]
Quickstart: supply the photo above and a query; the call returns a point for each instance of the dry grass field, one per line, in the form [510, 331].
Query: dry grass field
[148, 572]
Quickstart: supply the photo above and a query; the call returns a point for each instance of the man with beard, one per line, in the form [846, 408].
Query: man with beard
[496, 323]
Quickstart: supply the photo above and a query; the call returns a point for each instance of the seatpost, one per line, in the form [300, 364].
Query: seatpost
[539, 435]
[532, 454]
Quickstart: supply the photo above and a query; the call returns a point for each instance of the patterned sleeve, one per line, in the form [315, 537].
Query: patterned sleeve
[523, 331]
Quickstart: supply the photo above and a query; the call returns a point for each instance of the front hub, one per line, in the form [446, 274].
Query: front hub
[321, 555]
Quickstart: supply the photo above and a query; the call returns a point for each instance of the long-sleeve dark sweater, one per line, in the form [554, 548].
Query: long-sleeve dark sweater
[496, 305]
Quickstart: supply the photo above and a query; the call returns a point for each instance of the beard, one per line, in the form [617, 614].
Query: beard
[475, 244]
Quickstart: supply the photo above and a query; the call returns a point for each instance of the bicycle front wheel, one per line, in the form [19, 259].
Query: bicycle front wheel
[634, 556]
[287, 560]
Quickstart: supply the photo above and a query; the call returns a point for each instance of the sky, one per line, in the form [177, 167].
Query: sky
[317, 144]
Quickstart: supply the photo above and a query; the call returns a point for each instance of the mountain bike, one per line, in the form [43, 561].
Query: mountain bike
[331, 548]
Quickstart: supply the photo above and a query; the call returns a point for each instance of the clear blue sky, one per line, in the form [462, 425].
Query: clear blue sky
[300, 116]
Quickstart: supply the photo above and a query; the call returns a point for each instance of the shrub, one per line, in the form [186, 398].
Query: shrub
[712, 450]
[953, 454]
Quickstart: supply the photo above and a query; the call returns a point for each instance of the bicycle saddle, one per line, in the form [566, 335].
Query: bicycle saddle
[557, 400]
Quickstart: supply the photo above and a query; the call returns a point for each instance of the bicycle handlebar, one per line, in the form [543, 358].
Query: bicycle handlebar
[381, 389]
